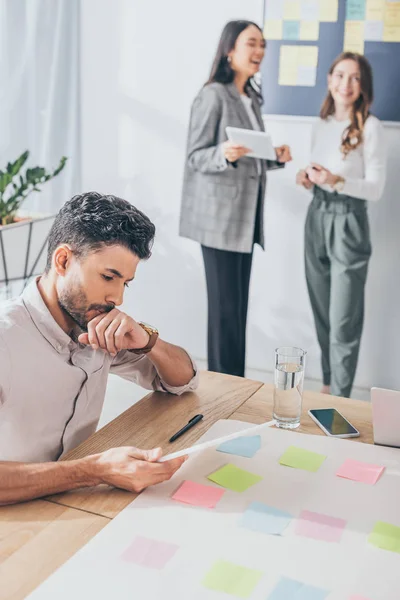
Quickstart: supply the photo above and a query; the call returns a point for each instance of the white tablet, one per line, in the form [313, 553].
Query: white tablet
[259, 142]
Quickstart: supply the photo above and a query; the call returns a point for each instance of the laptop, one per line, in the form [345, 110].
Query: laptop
[386, 416]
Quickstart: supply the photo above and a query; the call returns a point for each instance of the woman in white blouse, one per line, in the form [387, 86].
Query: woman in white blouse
[347, 170]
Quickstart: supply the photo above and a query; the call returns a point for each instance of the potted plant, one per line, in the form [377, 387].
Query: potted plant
[22, 239]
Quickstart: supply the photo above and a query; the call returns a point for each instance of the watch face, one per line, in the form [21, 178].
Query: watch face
[148, 327]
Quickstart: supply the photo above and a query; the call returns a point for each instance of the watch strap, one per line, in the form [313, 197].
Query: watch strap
[153, 335]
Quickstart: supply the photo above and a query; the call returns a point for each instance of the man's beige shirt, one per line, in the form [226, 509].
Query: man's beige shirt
[51, 388]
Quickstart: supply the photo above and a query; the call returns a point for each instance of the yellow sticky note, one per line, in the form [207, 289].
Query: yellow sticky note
[391, 34]
[273, 29]
[288, 65]
[235, 479]
[328, 10]
[291, 10]
[309, 30]
[392, 14]
[385, 536]
[308, 56]
[354, 37]
[374, 10]
[232, 579]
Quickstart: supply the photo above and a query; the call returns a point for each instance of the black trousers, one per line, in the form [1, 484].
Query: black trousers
[228, 282]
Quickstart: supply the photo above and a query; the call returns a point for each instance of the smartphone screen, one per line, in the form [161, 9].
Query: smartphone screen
[333, 421]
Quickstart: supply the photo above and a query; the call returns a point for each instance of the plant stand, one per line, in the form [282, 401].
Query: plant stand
[23, 248]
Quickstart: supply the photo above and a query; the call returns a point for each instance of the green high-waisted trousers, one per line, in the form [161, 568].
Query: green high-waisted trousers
[337, 251]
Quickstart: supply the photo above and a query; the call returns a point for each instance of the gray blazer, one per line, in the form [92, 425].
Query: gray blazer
[219, 199]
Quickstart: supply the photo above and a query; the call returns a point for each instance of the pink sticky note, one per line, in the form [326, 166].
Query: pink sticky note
[198, 494]
[360, 471]
[149, 553]
[319, 527]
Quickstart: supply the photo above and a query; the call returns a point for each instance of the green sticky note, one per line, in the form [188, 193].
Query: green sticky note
[232, 579]
[233, 478]
[386, 536]
[298, 458]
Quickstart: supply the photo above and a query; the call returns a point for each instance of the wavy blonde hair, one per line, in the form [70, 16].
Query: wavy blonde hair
[353, 134]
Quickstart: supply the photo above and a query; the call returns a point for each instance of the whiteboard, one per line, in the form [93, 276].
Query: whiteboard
[205, 536]
[302, 100]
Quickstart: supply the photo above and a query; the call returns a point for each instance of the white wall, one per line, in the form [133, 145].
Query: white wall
[142, 64]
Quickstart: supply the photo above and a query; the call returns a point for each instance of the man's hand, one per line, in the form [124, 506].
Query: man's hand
[319, 175]
[134, 470]
[283, 154]
[302, 179]
[127, 468]
[114, 331]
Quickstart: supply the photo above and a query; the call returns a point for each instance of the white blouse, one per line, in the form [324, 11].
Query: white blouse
[253, 120]
[364, 168]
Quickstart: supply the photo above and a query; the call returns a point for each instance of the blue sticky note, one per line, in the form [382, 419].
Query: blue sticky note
[355, 10]
[243, 446]
[290, 589]
[291, 30]
[264, 518]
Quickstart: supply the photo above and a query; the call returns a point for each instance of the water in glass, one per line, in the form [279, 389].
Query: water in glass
[288, 394]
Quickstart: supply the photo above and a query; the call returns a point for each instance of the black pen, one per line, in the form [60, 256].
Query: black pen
[184, 429]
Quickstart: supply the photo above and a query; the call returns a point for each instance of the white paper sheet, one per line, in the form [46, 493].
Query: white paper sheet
[259, 142]
[255, 429]
[204, 536]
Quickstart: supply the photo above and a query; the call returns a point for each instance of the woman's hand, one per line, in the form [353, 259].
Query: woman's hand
[302, 179]
[233, 152]
[320, 176]
[283, 154]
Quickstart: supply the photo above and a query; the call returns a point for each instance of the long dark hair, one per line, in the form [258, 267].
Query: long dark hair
[353, 134]
[221, 70]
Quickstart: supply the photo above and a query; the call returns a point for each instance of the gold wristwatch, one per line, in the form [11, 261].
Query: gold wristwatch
[339, 185]
[153, 335]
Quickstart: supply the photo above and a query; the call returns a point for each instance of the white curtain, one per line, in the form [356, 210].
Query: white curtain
[39, 92]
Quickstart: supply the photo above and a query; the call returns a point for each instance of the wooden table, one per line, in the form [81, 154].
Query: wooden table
[37, 537]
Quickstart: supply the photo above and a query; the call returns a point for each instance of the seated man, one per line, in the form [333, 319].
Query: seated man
[58, 342]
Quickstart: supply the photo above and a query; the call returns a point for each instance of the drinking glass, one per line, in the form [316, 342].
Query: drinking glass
[288, 388]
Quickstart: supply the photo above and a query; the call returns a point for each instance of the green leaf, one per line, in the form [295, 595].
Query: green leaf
[34, 177]
[14, 168]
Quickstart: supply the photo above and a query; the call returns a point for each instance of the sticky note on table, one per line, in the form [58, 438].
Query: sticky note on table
[243, 446]
[149, 553]
[290, 589]
[385, 536]
[360, 471]
[298, 458]
[232, 579]
[319, 527]
[265, 519]
[235, 479]
[198, 494]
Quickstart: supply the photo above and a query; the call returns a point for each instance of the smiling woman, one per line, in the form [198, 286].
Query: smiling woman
[347, 169]
[223, 190]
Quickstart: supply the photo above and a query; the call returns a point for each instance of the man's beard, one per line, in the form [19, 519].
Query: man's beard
[74, 303]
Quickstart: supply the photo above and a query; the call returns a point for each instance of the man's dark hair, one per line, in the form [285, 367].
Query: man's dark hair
[90, 221]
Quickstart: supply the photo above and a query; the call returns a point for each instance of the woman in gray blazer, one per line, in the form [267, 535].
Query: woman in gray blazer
[223, 190]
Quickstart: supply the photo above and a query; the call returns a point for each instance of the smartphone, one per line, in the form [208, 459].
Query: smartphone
[333, 423]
